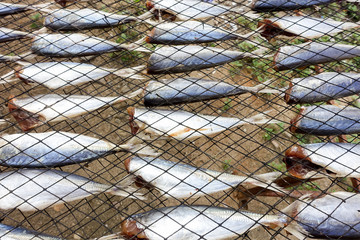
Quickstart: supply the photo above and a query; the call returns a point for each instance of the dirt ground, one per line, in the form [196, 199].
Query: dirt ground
[243, 149]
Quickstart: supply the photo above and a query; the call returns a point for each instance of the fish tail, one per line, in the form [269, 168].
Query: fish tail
[262, 88]
[115, 236]
[124, 190]
[287, 215]
[8, 78]
[266, 181]
[42, 7]
[130, 72]
[133, 146]
[260, 119]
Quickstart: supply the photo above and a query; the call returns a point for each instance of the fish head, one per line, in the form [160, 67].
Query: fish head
[26, 120]
[294, 123]
[133, 125]
[130, 229]
[298, 163]
[135, 165]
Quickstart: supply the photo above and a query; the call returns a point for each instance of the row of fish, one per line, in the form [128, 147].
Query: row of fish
[175, 180]
[331, 216]
[303, 218]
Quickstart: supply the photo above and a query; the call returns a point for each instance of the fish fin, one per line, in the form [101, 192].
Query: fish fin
[133, 125]
[124, 190]
[139, 182]
[261, 119]
[142, 149]
[115, 236]
[130, 72]
[8, 78]
[295, 229]
[262, 88]
[266, 181]
[26, 120]
[136, 46]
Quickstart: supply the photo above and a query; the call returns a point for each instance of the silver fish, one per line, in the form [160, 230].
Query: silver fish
[34, 111]
[183, 125]
[80, 19]
[7, 34]
[185, 90]
[20, 233]
[326, 120]
[332, 216]
[35, 189]
[284, 5]
[189, 32]
[76, 44]
[11, 8]
[187, 9]
[319, 159]
[303, 26]
[56, 75]
[185, 58]
[323, 87]
[53, 149]
[176, 180]
[306, 54]
[195, 222]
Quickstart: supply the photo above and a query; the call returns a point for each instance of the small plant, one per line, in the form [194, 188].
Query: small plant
[273, 130]
[36, 21]
[278, 166]
[227, 104]
[310, 186]
[226, 164]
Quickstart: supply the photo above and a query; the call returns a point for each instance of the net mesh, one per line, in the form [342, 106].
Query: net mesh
[39, 94]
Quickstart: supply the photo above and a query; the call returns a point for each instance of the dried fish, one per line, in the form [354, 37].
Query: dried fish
[326, 120]
[323, 87]
[284, 5]
[80, 19]
[76, 45]
[185, 90]
[177, 33]
[186, 58]
[18, 233]
[53, 149]
[34, 111]
[195, 222]
[56, 75]
[331, 159]
[7, 34]
[36, 189]
[303, 26]
[332, 216]
[302, 55]
[176, 180]
[183, 125]
[187, 9]
[11, 8]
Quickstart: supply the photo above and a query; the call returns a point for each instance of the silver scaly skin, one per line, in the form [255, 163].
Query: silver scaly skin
[195, 222]
[80, 19]
[176, 180]
[35, 189]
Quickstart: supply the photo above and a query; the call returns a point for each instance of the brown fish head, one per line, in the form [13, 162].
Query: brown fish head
[299, 163]
[294, 123]
[287, 96]
[129, 229]
[133, 125]
[18, 71]
[26, 120]
[271, 29]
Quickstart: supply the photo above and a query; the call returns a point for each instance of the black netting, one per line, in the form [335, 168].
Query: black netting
[179, 119]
